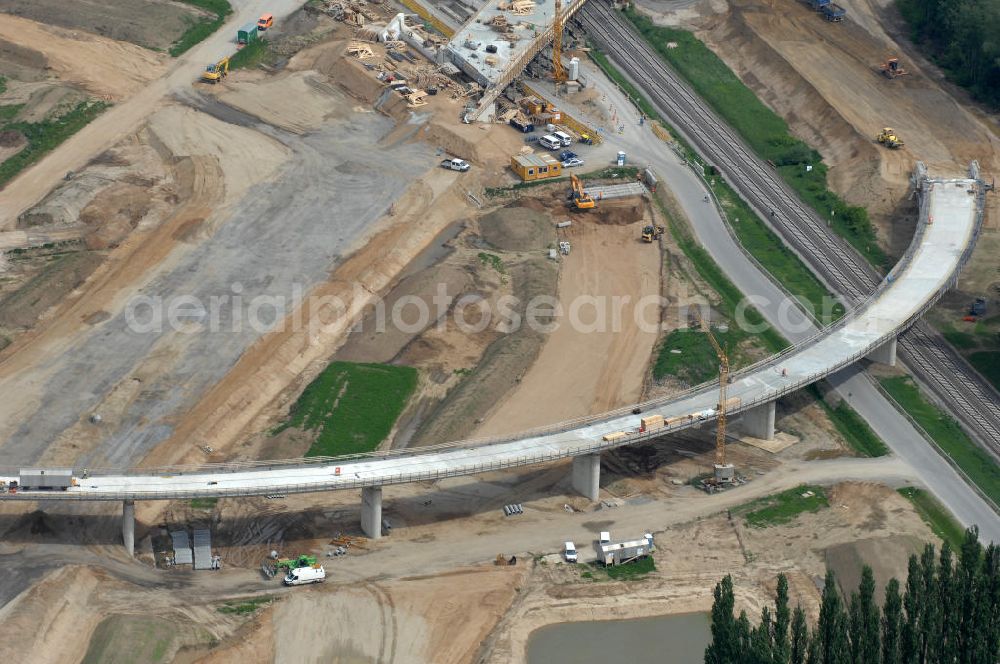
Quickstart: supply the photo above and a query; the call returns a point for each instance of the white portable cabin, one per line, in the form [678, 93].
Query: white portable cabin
[618, 553]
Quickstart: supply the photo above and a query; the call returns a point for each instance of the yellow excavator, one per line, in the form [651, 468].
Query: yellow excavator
[581, 199]
[650, 233]
[889, 138]
[216, 72]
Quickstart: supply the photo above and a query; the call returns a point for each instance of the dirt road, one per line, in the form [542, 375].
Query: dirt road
[125, 117]
[609, 349]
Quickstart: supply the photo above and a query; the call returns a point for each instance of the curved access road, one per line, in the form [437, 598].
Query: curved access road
[929, 268]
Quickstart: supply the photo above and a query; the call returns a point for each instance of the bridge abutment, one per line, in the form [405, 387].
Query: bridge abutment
[759, 421]
[128, 526]
[371, 511]
[885, 354]
[587, 475]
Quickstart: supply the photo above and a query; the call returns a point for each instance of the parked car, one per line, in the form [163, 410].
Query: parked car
[570, 552]
[551, 142]
[455, 164]
[567, 154]
[304, 575]
[572, 163]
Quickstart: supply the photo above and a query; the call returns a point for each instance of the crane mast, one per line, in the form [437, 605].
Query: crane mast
[558, 73]
[724, 473]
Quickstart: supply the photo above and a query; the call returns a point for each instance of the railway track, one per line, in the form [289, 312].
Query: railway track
[948, 376]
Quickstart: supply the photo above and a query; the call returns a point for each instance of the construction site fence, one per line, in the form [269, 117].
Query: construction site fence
[430, 18]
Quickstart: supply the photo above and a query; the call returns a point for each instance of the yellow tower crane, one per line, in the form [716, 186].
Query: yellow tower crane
[558, 73]
[724, 473]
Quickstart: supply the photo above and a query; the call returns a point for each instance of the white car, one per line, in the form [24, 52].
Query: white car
[455, 164]
[707, 413]
[572, 163]
[304, 575]
[570, 552]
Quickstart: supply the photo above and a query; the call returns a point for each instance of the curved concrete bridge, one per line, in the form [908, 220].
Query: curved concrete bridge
[950, 218]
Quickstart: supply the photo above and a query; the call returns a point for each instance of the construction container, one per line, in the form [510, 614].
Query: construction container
[612, 437]
[247, 34]
[535, 166]
[619, 553]
[51, 478]
[651, 422]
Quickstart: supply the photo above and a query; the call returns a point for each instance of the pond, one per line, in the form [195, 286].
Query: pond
[675, 639]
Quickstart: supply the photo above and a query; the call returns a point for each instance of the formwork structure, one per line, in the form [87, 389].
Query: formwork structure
[499, 41]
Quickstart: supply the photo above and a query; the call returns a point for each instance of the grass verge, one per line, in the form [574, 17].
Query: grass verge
[200, 29]
[251, 55]
[987, 362]
[946, 433]
[782, 507]
[204, 503]
[852, 427]
[696, 361]
[630, 571]
[763, 129]
[46, 135]
[352, 407]
[936, 516]
[245, 606]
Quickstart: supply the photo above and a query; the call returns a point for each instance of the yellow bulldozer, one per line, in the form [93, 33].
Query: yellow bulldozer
[889, 138]
[651, 233]
[216, 72]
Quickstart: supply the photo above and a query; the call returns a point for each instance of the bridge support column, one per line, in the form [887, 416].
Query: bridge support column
[371, 511]
[885, 354]
[759, 421]
[128, 526]
[587, 475]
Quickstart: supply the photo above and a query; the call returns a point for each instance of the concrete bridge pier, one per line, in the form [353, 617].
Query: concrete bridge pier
[885, 354]
[759, 421]
[371, 511]
[587, 475]
[128, 526]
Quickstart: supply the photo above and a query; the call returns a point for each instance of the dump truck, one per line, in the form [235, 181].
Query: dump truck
[833, 12]
[889, 138]
[247, 34]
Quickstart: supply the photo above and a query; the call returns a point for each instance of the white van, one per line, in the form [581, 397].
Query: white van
[570, 552]
[304, 575]
[564, 138]
[549, 141]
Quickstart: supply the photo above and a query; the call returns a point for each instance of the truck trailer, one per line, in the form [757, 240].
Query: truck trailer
[50, 479]
[247, 34]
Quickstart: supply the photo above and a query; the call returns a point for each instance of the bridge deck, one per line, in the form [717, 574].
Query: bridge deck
[951, 212]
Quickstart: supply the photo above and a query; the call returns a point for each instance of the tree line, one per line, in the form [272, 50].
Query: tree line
[948, 613]
[963, 37]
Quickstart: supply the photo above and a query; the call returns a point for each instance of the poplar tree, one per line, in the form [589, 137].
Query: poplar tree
[799, 650]
[892, 610]
[724, 646]
[781, 651]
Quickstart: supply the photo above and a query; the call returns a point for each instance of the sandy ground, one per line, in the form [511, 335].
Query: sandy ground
[104, 67]
[609, 364]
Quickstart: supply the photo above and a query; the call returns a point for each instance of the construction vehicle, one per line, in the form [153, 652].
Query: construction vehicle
[892, 69]
[296, 563]
[217, 72]
[581, 199]
[889, 138]
[650, 233]
[724, 473]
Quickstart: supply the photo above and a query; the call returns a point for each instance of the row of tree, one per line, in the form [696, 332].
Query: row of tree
[963, 37]
[948, 613]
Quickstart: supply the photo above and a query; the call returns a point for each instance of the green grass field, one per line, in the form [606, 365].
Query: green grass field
[948, 435]
[782, 507]
[45, 136]
[250, 55]
[936, 516]
[630, 571]
[352, 407]
[766, 132]
[697, 361]
[199, 30]
[987, 362]
[204, 503]
[852, 427]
